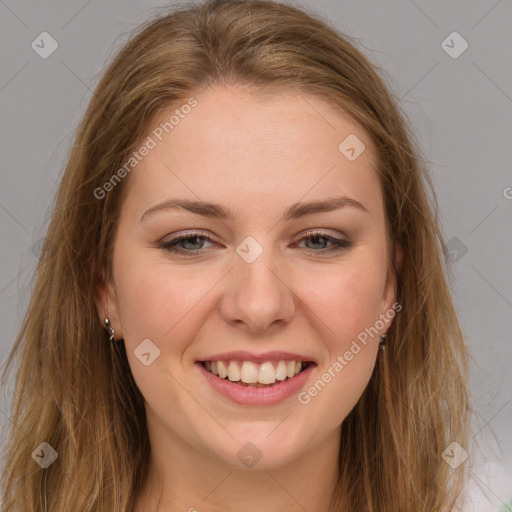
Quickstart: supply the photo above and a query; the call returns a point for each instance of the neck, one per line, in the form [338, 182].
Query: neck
[181, 478]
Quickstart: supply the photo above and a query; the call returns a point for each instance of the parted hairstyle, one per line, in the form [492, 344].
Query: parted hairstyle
[74, 389]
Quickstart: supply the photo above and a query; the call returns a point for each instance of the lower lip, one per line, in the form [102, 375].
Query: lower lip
[245, 395]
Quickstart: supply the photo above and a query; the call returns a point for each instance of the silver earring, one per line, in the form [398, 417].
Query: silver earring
[110, 330]
[382, 343]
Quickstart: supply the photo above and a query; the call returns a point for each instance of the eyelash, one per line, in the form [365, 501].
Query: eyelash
[170, 246]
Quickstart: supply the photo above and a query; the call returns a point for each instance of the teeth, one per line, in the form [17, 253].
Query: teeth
[233, 372]
[223, 373]
[267, 373]
[281, 370]
[290, 369]
[251, 373]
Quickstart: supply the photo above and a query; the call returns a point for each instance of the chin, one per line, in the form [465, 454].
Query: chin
[260, 450]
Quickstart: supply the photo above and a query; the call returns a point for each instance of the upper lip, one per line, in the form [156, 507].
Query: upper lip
[242, 355]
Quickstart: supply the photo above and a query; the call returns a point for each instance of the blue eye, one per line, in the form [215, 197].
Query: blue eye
[172, 245]
[339, 244]
[195, 240]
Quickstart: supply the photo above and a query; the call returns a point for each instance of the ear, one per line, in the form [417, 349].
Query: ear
[107, 306]
[387, 312]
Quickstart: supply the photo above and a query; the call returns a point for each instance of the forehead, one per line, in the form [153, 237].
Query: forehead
[250, 151]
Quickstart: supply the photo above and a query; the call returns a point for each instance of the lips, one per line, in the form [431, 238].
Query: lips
[256, 379]
[243, 355]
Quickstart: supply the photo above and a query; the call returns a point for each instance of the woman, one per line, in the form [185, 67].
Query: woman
[255, 369]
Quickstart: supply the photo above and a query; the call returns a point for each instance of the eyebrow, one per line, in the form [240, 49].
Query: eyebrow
[295, 211]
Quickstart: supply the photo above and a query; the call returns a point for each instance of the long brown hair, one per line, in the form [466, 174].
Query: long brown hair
[75, 391]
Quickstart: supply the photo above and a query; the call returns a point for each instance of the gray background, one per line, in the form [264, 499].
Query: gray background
[460, 109]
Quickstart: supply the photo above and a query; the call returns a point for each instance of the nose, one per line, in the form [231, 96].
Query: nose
[257, 296]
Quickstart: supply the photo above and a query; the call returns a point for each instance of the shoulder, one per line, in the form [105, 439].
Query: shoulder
[489, 489]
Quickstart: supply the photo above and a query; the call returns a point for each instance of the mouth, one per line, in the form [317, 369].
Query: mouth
[256, 375]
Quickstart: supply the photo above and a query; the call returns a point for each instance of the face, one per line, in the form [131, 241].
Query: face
[269, 281]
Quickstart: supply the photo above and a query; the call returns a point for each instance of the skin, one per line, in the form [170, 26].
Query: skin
[255, 156]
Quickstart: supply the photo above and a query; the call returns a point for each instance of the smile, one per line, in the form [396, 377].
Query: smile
[251, 374]
[262, 381]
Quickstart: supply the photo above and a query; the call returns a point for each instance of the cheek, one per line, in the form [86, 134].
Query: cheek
[346, 306]
[346, 299]
[157, 305]
[153, 300]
